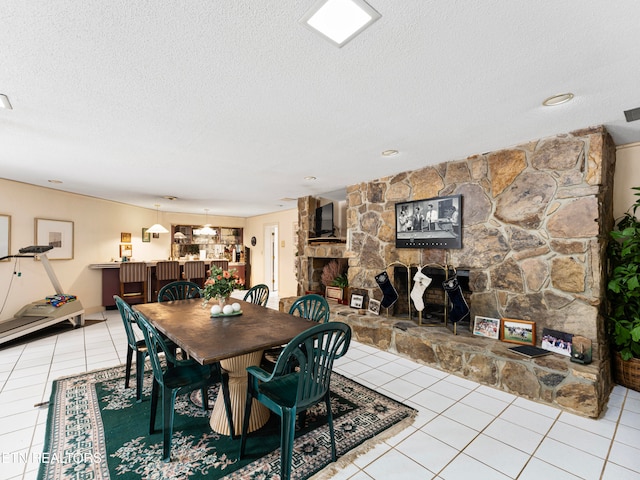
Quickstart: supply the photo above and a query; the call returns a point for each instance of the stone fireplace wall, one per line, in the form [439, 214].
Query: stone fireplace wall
[535, 221]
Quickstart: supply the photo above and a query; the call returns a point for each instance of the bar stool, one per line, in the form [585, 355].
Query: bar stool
[133, 282]
[195, 271]
[166, 272]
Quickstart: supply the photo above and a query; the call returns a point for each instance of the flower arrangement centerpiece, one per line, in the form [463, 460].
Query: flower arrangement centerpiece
[219, 285]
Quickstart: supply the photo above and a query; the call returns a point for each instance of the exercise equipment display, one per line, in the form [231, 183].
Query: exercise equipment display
[46, 312]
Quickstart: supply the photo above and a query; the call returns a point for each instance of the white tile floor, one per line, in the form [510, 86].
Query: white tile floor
[463, 430]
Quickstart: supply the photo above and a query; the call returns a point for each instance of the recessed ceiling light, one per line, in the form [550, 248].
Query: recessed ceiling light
[4, 102]
[558, 99]
[54, 181]
[339, 20]
[390, 153]
[288, 199]
[310, 178]
[170, 197]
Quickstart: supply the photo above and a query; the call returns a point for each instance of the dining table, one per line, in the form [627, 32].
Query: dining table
[236, 341]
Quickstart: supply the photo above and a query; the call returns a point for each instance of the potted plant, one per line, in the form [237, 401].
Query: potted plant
[623, 289]
[335, 282]
[341, 281]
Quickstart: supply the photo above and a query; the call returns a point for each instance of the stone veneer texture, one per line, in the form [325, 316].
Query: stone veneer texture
[535, 222]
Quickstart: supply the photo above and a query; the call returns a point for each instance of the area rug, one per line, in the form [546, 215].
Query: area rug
[97, 430]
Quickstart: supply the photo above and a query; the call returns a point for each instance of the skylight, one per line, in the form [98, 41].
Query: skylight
[339, 20]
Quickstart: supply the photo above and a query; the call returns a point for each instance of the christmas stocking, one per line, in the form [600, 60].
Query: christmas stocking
[420, 285]
[459, 307]
[389, 293]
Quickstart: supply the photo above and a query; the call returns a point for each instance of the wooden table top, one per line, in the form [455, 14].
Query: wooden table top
[210, 339]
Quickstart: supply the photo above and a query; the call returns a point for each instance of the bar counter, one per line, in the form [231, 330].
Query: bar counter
[111, 276]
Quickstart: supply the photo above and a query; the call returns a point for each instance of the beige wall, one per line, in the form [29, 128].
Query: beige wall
[286, 222]
[97, 228]
[627, 176]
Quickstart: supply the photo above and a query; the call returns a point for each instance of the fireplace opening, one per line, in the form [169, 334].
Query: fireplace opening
[323, 270]
[434, 296]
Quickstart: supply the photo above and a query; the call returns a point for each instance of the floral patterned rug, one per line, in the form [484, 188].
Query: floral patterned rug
[97, 430]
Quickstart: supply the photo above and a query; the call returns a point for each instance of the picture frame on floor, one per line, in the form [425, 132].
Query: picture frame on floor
[522, 332]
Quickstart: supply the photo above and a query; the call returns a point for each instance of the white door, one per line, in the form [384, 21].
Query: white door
[271, 256]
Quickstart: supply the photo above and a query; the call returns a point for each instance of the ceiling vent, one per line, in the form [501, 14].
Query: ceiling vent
[633, 114]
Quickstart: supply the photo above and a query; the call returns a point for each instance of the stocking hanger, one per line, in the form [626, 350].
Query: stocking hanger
[408, 268]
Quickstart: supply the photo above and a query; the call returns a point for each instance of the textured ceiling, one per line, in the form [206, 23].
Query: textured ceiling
[229, 104]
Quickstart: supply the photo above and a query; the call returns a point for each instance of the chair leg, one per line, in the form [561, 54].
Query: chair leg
[327, 400]
[286, 441]
[204, 391]
[168, 401]
[224, 387]
[245, 421]
[154, 407]
[127, 374]
[140, 357]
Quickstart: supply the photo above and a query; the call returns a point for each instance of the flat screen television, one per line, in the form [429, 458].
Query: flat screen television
[324, 221]
[429, 223]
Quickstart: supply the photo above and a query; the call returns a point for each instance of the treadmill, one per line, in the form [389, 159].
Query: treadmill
[41, 313]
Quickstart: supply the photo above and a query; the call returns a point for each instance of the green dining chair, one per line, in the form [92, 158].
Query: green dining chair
[176, 377]
[179, 290]
[312, 306]
[286, 392]
[133, 345]
[258, 294]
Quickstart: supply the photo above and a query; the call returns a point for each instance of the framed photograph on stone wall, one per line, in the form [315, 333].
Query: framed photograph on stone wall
[518, 331]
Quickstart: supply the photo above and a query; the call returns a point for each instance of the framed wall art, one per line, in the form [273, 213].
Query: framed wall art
[486, 327]
[58, 234]
[146, 236]
[5, 236]
[518, 331]
[125, 237]
[126, 250]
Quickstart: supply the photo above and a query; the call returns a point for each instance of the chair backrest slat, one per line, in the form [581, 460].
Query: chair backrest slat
[258, 294]
[128, 319]
[312, 306]
[194, 269]
[314, 351]
[131, 272]
[180, 290]
[168, 270]
[155, 346]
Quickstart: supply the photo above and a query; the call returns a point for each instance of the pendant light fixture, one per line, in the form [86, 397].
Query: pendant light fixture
[157, 228]
[206, 228]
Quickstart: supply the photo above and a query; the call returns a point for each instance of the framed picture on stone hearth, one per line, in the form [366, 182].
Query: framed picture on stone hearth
[486, 327]
[518, 331]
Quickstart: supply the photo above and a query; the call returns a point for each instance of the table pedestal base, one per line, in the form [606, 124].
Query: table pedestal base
[237, 369]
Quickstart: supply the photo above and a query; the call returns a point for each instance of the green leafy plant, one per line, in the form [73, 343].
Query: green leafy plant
[340, 281]
[624, 284]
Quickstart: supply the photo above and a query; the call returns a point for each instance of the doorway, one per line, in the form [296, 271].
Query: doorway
[271, 256]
